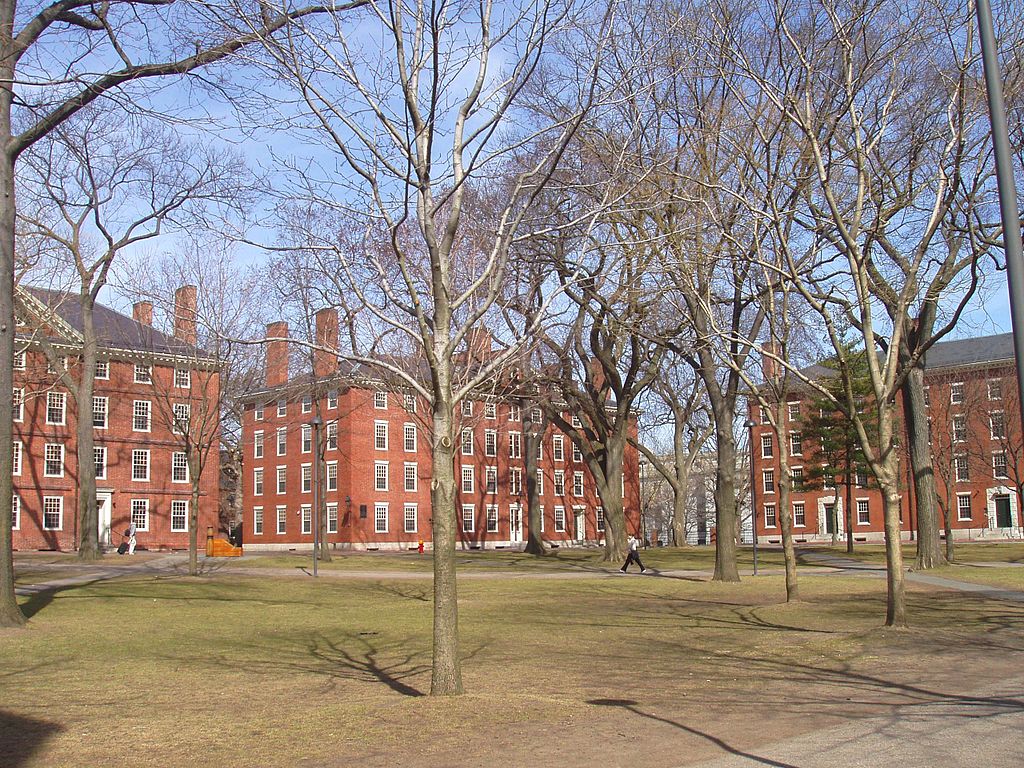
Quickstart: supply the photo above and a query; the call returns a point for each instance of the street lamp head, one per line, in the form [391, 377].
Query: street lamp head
[749, 423]
[316, 421]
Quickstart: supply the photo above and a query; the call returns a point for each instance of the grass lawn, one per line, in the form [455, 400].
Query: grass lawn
[247, 670]
[1005, 577]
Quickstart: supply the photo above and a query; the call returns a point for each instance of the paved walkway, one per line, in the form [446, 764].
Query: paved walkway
[981, 730]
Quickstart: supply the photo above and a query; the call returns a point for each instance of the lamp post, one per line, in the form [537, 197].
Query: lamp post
[750, 424]
[316, 423]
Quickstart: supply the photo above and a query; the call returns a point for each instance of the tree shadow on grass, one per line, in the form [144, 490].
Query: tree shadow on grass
[21, 737]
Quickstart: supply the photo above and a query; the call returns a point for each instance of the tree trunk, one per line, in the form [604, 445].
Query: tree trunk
[848, 512]
[10, 612]
[895, 610]
[785, 507]
[88, 515]
[915, 417]
[534, 434]
[608, 476]
[446, 677]
[681, 486]
[947, 527]
[195, 470]
[725, 504]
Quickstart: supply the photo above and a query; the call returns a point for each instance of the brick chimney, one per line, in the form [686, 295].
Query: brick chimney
[597, 377]
[326, 363]
[142, 312]
[277, 353]
[185, 314]
[769, 365]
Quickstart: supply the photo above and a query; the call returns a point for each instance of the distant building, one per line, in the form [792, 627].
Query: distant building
[376, 465]
[141, 472]
[977, 456]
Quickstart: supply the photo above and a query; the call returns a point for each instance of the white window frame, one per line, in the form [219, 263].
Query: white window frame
[332, 399]
[577, 454]
[58, 501]
[332, 516]
[802, 507]
[767, 445]
[515, 445]
[182, 378]
[141, 453]
[179, 460]
[998, 389]
[997, 425]
[959, 508]
[559, 519]
[409, 437]
[46, 459]
[19, 360]
[380, 512]
[140, 514]
[490, 442]
[15, 512]
[182, 417]
[380, 435]
[515, 412]
[796, 443]
[18, 403]
[282, 407]
[257, 444]
[411, 474]
[866, 507]
[307, 438]
[142, 410]
[257, 412]
[468, 523]
[281, 512]
[540, 482]
[143, 374]
[515, 481]
[466, 442]
[281, 480]
[381, 476]
[1005, 463]
[56, 401]
[331, 475]
[257, 521]
[577, 484]
[409, 402]
[16, 456]
[182, 505]
[491, 522]
[557, 448]
[771, 517]
[559, 483]
[490, 410]
[468, 479]
[467, 408]
[306, 513]
[768, 481]
[490, 480]
[307, 403]
[281, 435]
[103, 410]
[599, 519]
[961, 461]
[410, 512]
[331, 436]
[306, 473]
[380, 400]
[257, 481]
[956, 393]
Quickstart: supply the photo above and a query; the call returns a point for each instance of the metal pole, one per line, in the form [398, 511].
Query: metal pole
[750, 424]
[1007, 190]
[316, 493]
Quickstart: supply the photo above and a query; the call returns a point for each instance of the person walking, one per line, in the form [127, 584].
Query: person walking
[130, 533]
[633, 556]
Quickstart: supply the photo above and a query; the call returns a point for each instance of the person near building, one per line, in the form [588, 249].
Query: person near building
[130, 533]
[633, 556]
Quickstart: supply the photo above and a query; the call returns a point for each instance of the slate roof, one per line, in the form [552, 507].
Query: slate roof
[113, 329]
[983, 349]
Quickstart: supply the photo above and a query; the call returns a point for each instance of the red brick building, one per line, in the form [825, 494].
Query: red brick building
[144, 381]
[977, 455]
[377, 464]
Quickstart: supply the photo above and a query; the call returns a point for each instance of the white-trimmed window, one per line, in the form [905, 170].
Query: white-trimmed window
[282, 480]
[257, 444]
[282, 440]
[540, 482]
[490, 442]
[467, 407]
[468, 518]
[140, 465]
[515, 445]
[56, 407]
[331, 442]
[995, 391]
[559, 483]
[306, 511]
[467, 479]
[282, 520]
[53, 460]
[467, 442]
[410, 515]
[380, 517]
[18, 404]
[793, 411]
[863, 512]
[62, 364]
[490, 410]
[540, 448]
[332, 517]
[961, 469]
[257, 482]
[53, 513]
[99, 456]
[490, 480]
[799, 514]
[332, 399]
[409, 402]
[179, 514]
[557, 448]
[380, 400]
[575, 421]
[16, 512]
[409, 437]
[860, 477]
[141, 415]
[768, 480]
[765, 416]
[767, 445]
[796, 443]
[599, 517]
[515, 412]
[541, 519]
[577, 483]
[257, 412]
[140, 514]
[963, 506]
[559, 519]
[380, 475]
[492, 518]
[956, 392]
[257, 521]
[997, 425]
[411, 476]
[515, 481]
[927, 396]
[143, 374]
[770, 518]
[380, 435]
[307, 438]
[332, 475]
[307, 403]
[307, 478]
[282, 407]
[182, 417]
[577, 454]
[999, 466]
[182, 378]
[16, 457]
[19, 360]
[796, 477]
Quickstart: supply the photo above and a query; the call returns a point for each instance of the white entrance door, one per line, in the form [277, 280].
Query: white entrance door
[581, 524]
[103, 504]
[515, 523]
